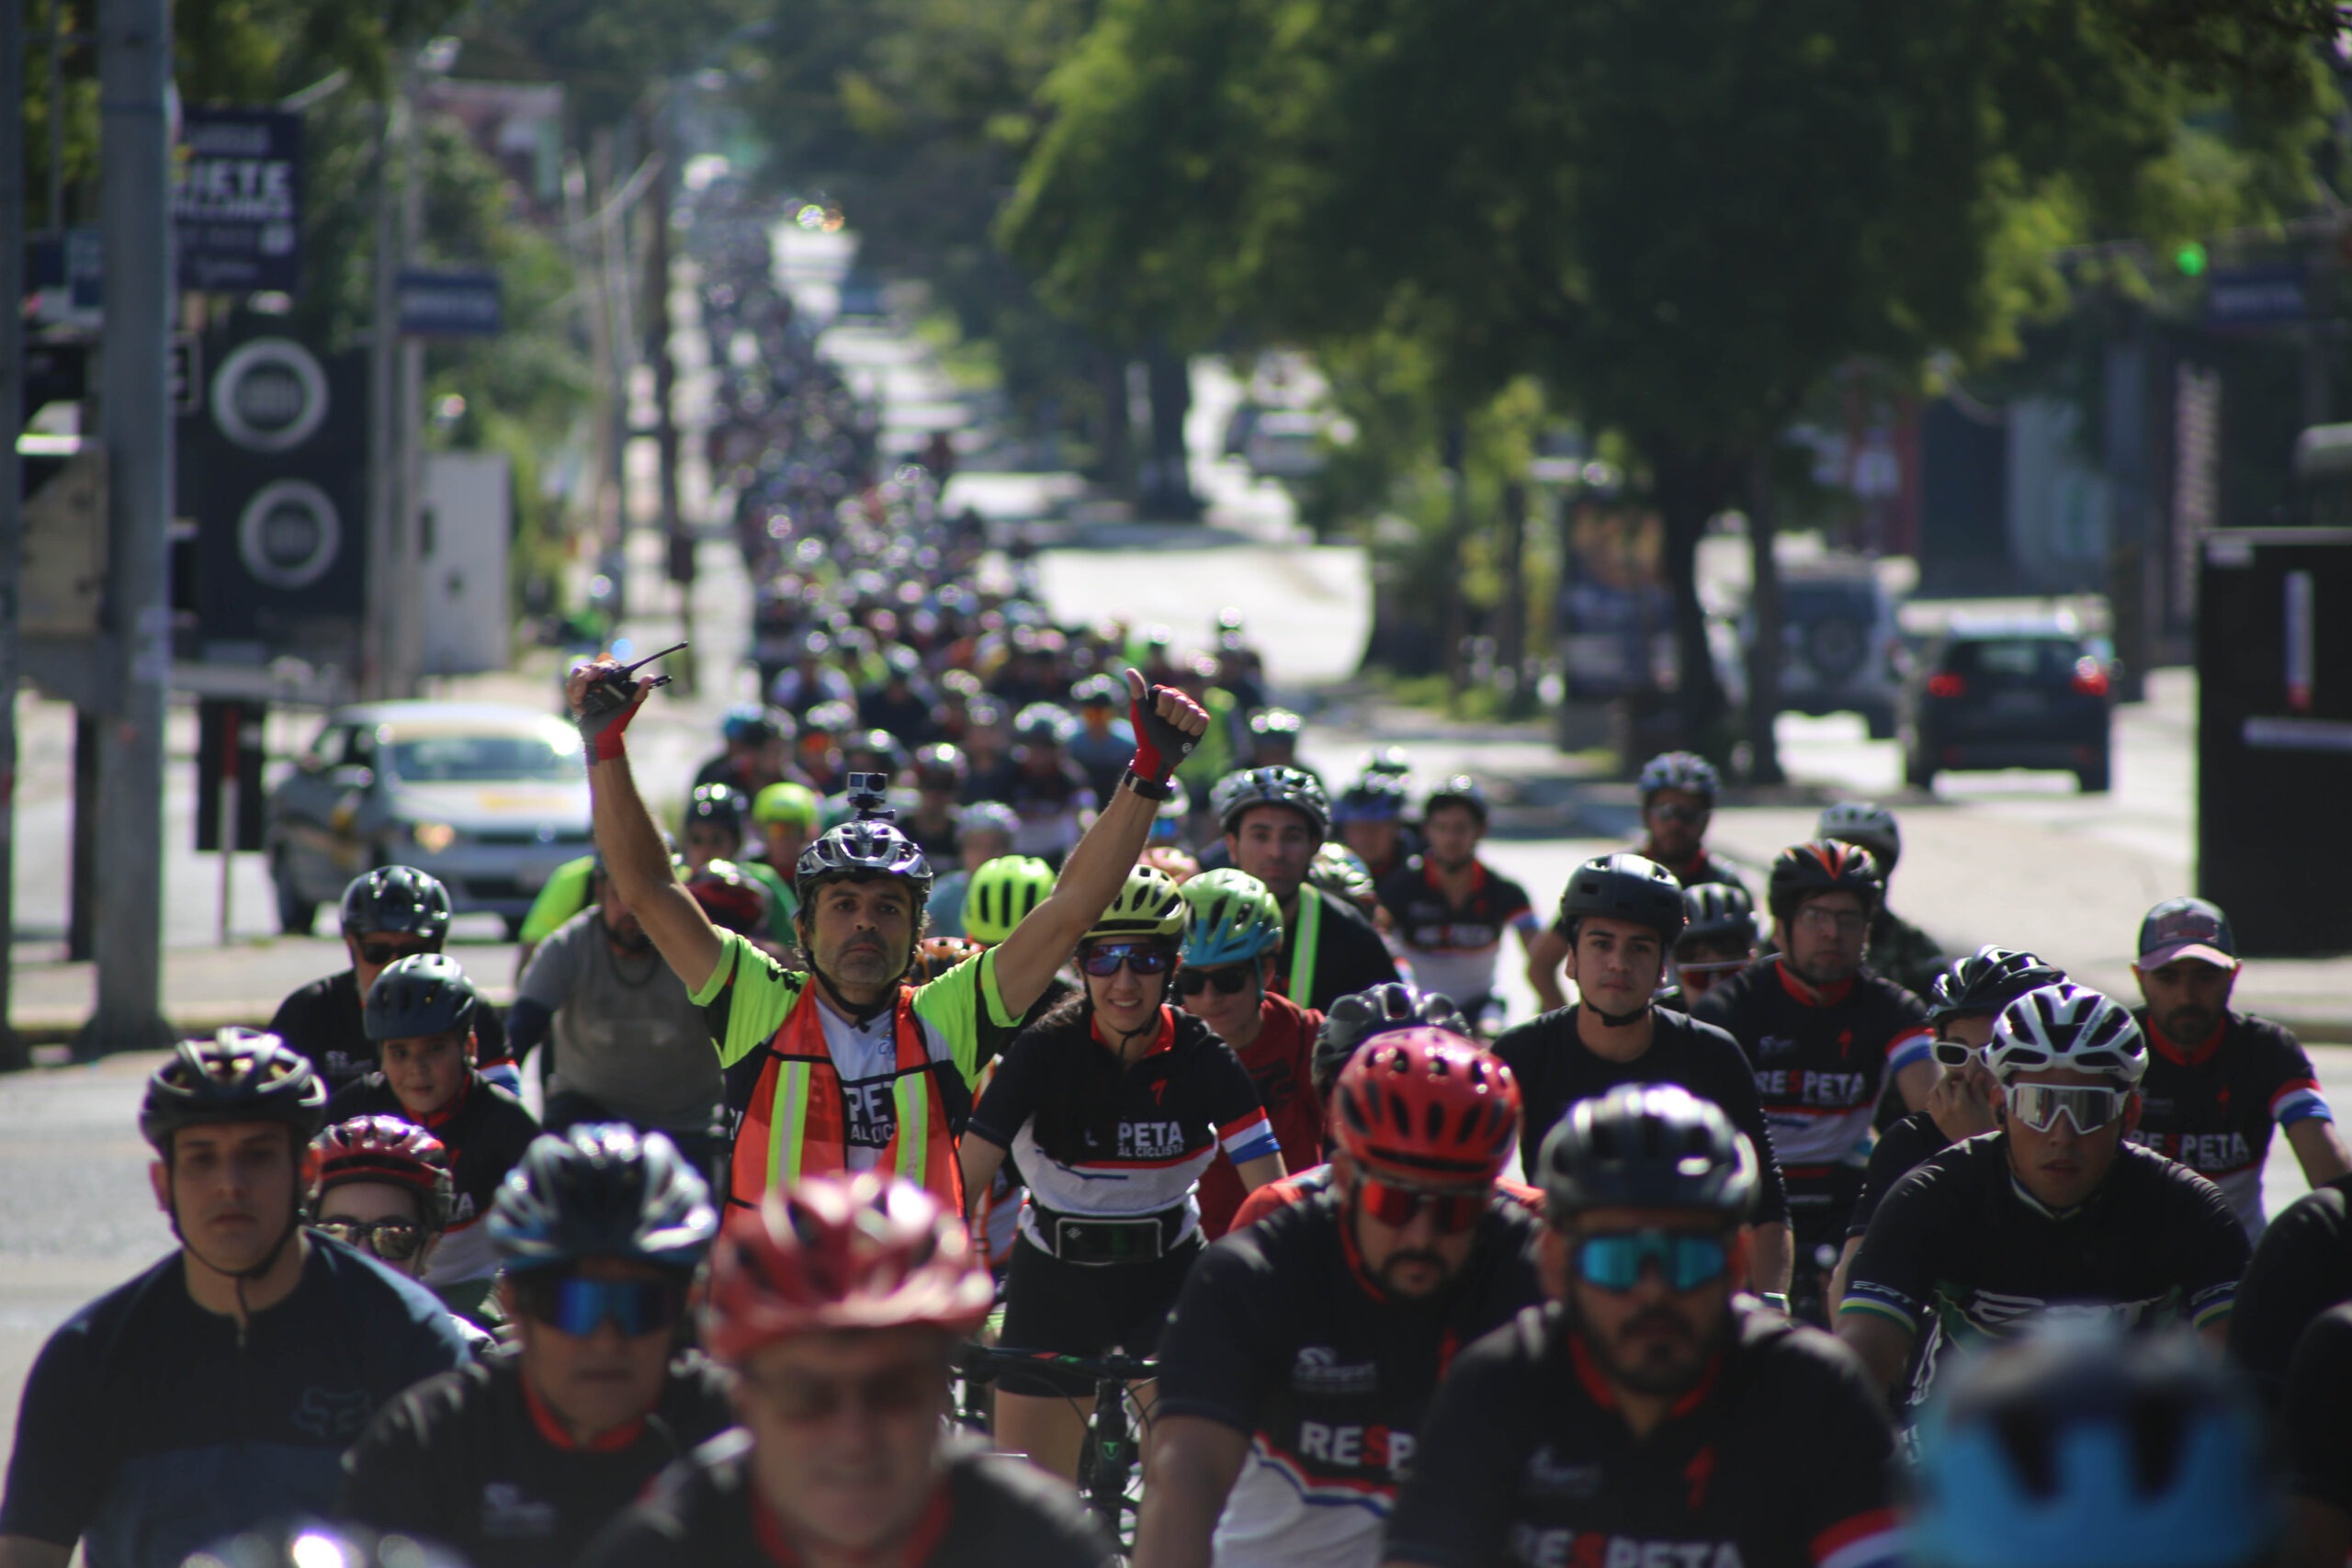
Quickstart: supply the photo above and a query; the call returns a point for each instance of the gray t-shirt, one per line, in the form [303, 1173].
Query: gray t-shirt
[625, 1033]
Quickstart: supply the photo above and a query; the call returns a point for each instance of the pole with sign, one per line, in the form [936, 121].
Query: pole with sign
[237, 205]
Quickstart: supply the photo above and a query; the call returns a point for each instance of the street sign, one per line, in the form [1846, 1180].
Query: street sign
[270, 395]
[237, 204]
[2273, 294]
[450, 304]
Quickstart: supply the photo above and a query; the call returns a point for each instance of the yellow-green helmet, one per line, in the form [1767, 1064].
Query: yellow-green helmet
[786, 802]
[1233, 918]
[1150, 907]
[1001, 893]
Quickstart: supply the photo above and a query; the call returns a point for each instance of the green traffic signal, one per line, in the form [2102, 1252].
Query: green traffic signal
[2190, 259]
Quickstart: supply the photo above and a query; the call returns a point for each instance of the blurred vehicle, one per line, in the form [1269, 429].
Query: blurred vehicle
[2029, 692]
[1287, 443]
[1839, 641]
[489, 799]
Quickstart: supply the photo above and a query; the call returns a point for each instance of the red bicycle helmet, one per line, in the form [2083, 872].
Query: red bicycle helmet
[387, 1149]
[732, 899]
[1425, 1105]
[866, 1251]
[935, 955]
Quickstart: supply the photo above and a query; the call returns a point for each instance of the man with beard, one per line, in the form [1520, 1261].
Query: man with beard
[1450, 909]
[1304, 1347]
[1648, 1415]
[2220, 1080]
[628, 1045]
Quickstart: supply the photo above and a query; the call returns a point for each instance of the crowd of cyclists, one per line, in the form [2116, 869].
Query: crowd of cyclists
[1008, 983]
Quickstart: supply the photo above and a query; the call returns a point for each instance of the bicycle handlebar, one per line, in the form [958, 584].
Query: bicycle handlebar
[982, 1362]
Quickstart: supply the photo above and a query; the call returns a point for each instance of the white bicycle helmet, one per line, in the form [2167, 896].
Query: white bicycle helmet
[2067, 1025]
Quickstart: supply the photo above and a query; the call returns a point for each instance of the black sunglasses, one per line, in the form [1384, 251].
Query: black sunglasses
[380, 954]
[1228, 980]
[395, 1240]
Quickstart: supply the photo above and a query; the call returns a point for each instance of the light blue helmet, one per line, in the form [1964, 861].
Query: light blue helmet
[1230, 918]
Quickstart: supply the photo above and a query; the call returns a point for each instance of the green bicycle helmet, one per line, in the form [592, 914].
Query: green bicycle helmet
[1232, 919]
[1001, 892]
[1150, 907]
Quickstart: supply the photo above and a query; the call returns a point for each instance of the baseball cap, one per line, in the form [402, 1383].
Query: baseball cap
[2187, 928]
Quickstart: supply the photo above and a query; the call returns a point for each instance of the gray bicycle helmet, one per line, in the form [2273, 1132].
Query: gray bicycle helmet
[869, 846]
[397, 901]
[238, 1075]
[1624, 888]
[1237, 791]
[1363, 1015]
[602, 1190]
[1648, 1146]
[1866, 824]
[423, 994]
[1685, 771]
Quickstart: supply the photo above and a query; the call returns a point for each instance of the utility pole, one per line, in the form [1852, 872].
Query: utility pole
[134, 73]
[12, 425]
[662, 194]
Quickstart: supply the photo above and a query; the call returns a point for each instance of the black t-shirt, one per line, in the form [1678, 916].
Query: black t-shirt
[1818, 1069]
[1779, 1458]
[1555, 1069]
[994, 1511]
[2301, 1267]
[2319, 1391]
[1911, 1142]
[2213, 1107]
[467, 1459]
[322, 1020]
[1349, 954]
[1277, 1333]
[1960, 1254]
[151, 1428]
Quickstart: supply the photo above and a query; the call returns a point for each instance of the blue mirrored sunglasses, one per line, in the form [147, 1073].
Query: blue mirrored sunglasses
[1143, 958]
[580, 1307]
[1685, 1260]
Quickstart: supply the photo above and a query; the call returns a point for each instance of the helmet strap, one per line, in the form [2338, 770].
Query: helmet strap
[237, 1277]
[1619, 1019]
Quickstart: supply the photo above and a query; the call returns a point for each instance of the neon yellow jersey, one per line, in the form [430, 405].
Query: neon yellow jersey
[565, 895]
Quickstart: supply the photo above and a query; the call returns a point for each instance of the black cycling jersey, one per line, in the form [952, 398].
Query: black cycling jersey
[150, 1427]
[1818, 1066]
[474, 1461]
[1959, 1253]
[991, 1511]
[322, 1020]
[1555, 1069]
[485, 1132]
[1910, 1142]
[2212, 1106]
[1349, 954]
[1279, 1335]
[2301, 1267]
[2319, 1390]
[1778, 1459]
[1453, 947]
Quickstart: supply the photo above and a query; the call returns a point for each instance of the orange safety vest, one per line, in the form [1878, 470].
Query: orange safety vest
[798, 1124]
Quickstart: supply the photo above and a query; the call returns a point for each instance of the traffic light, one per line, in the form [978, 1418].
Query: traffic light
[2190, 258]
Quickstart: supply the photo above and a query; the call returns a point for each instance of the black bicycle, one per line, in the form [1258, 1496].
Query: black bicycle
[1110, 1464]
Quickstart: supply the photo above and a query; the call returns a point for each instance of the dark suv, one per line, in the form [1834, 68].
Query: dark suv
[2012, 695]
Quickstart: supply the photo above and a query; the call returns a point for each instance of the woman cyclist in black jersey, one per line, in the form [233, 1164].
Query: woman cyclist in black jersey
[1114, 1103]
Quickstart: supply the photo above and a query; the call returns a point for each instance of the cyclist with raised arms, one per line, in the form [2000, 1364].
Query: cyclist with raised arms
[1678, 795]
[2220, 1082]
[846, 1066]
[1623, 914]
[1648, 1415]
[2082, 1446]
[520, 1459]
[418, 1014]
[1961, 1006]
[1114, 1103]
[1823, 1036]
[218, 1388]
[1450, 909]
[2056, 1210]
[839, 1304]
[389, 914]
[1273, 820]
[383, 1187]
[1233, 932]
[1383, 1010]
[1304, 1347]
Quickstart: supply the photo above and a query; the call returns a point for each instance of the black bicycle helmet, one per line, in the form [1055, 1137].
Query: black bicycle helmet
[1624, 888]
[1237, 791]
[238, 1075]
[1648, 1146]
[1383, 1009]
[1716, 910]
[1375, 797]
[423, 994]
[1824, 866]
[1988, 980]
[602, 1190]
[720, 805]
[397, 901]
[1459, 790]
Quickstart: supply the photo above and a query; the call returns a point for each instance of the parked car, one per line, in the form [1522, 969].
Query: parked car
[2023, 693]
[489, 799]
[1839, 641]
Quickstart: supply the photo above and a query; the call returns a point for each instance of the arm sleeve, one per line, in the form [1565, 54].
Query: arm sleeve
[1906, 1045]
[2295, 1093]
[59, 1468]
[1893, 1276]
[1897, 1150]
[1214, 1353]
[1243, 1130]
[1454, 1508]
[2214, 1251]
[1012, 1093]
[969, 1011]
[1733, 1089]
[527, 1026]
[565, 895]
[2303, 1268]
[1849, 1517]
[2319, 1390]
[744, 1000]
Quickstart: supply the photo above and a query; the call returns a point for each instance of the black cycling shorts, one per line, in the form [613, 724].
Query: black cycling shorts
[1084, 1310]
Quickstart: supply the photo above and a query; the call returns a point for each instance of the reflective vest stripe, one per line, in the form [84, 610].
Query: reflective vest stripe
[788, 1143]
[1301, 947]
[912, 1093]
